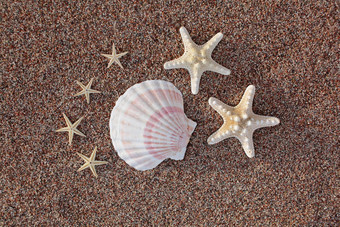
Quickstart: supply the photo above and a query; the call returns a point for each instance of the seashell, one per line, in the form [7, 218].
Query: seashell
[148, 124]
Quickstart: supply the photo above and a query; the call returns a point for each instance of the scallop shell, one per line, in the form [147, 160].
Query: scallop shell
[148, 124]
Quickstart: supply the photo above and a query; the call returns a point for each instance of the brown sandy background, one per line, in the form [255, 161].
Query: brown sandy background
[288, 49]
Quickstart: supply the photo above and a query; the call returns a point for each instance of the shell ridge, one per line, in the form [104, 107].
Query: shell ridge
[158, 99]
[146, 101]
[147, 166]
[159, 131]
[169, 116]
[141, 117]
[136, 142]
[144, 164]
[162, 88]
[141, 154]
[172, 95]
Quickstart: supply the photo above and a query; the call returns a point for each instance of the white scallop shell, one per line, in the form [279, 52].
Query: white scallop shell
[148, 124]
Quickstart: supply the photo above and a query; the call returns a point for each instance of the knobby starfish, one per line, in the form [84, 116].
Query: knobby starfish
[114, 57]
[86, 90]
[91, 162]
[197, 59]
[71, 128]
[240, 121]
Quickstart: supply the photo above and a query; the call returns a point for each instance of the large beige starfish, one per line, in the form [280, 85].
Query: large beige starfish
[197, 59]
[91, 162]
[240, 121]
[114, 57]
[86, 90]
[71, 128]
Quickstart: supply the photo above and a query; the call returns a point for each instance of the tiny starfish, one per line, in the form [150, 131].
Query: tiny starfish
[86, 90]
[240, 121]
[71, 128]
[197, 59]
[91, 162]
[114, 57]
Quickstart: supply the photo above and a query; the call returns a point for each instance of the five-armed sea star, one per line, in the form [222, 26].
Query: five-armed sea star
[240, 121]
[86, 90]
[91, 162]
[71, 128]
[197, 59]
[114, 57]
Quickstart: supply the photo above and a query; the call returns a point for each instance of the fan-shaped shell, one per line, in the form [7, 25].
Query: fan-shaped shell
[148, 124]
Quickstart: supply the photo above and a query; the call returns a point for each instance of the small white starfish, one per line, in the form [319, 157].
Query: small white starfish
[71, 128]
[86, 90]
[114, 57]
[240, 121]
[91, 162]
[197, 59]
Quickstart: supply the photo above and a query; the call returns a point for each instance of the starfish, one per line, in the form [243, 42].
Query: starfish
[91, 162]
[86, 90]
[71, 128]
[197, 59]
[114, 57]
[240, 121]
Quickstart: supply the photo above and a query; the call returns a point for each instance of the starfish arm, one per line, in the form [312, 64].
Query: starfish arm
[80, 93]
[247, 143]
[93, 169]
[75, 125]
[92, 91]
[96, 163]
[246, 102]
[88, 86]
[113, 49]
[214, 138]
[118, 62]
[68, 122]
[121, 54]
[86, 165]
[80, 84]
[175, 64]
[86, 159]
[109, 56]
[215, 67]
[87, 95]
[93, 155]
[65, 129]
[219, 135]
[264, 121]
[111, 62]
[220, 107]
[212, 43]
[70, 137]
[187, 41]
[195, 75]
[76, 131]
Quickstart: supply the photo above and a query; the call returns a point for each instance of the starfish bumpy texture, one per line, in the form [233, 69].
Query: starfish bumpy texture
[71, 128]
[197, 59]
[91, 162]
[86, 90]
[240, 121]
[114, 57]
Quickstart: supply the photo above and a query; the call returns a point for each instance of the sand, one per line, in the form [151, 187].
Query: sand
[288, 50]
